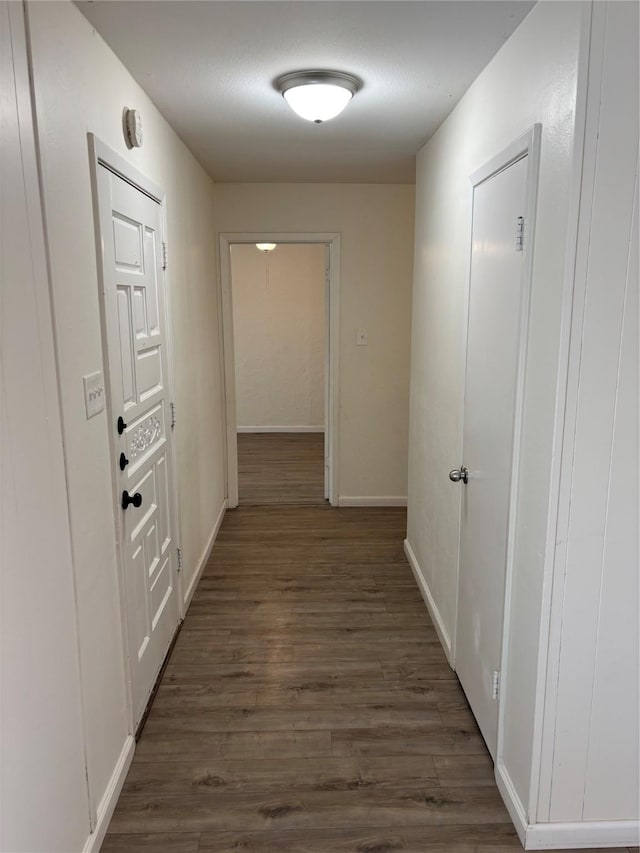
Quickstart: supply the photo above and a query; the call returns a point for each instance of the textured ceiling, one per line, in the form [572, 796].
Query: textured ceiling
[209, 67]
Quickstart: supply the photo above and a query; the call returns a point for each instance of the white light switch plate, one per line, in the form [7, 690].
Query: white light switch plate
[93, 393]
[362, 338]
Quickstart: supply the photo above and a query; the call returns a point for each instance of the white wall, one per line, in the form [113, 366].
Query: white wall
[531, 79]
[592, 744]
[43, 793]
[376, 223]
[81, 87]
[279, 335]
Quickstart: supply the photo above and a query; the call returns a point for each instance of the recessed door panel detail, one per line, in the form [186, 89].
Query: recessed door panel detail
[144, 437]
[135, 314]
[160, 591]
[151, 547]
[150, 251]
[140, 312]
[127, 239]
[139, 517]
[125, 350]
[164, 526]
[149, 373]
[137, 621]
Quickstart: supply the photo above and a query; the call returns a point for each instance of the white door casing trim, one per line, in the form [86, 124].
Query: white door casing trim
[332, 336]
[528, 145]
[101, 155]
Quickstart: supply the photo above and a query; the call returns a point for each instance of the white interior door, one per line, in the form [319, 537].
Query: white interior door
[495, 299]
[135, 325]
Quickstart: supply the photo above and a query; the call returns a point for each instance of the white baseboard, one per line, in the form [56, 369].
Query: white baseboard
[438, 622]
[512, 801]
[563, 836]
[202, 562]
[584, 834]
[299, 428]
[372, 500]
[110, 797]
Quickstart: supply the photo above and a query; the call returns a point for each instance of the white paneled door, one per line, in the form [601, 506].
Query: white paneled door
[136, 336]
[495, 302]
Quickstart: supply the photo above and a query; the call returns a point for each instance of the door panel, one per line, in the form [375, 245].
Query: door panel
[489, 410]
[135, 326]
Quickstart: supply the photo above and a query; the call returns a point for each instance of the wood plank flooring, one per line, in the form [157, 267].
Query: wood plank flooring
[307, 706]
[280, 468]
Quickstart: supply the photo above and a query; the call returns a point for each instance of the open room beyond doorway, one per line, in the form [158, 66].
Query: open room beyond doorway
[280, 348]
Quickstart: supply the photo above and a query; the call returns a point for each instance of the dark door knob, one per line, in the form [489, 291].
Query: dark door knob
[127, 499]
[123, 461]
[121, 425]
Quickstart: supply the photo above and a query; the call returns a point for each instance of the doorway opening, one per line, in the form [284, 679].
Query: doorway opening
[280, 338]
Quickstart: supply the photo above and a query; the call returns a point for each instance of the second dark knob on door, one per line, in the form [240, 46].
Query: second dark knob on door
[127, 499]
[123, 461]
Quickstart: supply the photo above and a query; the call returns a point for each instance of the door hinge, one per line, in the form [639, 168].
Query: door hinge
[519, 233]
[164, 255]
[172, 407]
[495, 684]
[179, 550]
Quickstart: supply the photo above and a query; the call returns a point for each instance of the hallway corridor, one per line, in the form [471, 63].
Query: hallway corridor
[280, 468]
[308, 706]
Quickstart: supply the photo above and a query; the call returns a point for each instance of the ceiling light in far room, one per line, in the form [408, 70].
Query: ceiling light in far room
[266, 247]
[318, 95]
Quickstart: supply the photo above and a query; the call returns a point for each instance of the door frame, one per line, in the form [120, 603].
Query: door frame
[101, 154]
[527, 145]
[332, 342]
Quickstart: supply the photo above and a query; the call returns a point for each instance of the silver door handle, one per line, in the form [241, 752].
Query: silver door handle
[459, 474]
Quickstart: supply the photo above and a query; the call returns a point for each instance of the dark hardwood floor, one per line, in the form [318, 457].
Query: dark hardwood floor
[307, 706]
[280, 468]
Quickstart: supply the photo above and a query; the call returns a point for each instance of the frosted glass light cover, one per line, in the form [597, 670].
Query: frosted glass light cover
[266, 247]
[317, 101]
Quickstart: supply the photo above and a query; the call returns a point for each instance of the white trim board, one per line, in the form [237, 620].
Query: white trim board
[202, 562]
[429, 600]
[299, 428]
[372, 500]
[109, 800]
[563, 835]
[585, 834]
[511, 800]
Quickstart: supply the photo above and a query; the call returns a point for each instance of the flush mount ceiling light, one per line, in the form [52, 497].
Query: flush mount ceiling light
[318, 95]
[266, 247]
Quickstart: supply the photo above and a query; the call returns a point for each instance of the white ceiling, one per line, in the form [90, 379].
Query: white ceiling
[210, 66]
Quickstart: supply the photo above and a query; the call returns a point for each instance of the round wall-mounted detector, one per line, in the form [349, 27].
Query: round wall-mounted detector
[133, 128]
